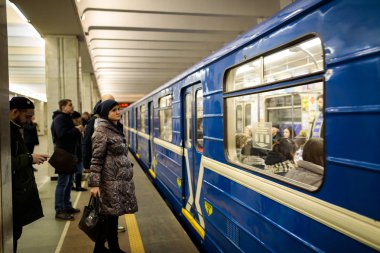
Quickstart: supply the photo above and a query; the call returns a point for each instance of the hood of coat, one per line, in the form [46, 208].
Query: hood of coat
[56, 113]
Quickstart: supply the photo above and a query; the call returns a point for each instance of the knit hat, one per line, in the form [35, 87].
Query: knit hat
[105, 108]
[20, 103]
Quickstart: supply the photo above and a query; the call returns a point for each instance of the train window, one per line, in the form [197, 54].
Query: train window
[126, 120]
[199, 104]
[165, 117]
[247, 115]
[284, 124]
[188, 137]
[239, 118]
[142, 118]
[246, 75]
[301, 59]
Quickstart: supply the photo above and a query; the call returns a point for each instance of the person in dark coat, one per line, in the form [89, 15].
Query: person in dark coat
[65, 135]
[26, 203]
[89, 130]
[281, 159]
[31, 136]
[77, 120]
[111, 173]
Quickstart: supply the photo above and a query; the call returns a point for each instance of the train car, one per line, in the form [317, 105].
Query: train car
[229, 142]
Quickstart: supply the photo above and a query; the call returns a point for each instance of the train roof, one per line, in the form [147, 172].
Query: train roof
[285, 15]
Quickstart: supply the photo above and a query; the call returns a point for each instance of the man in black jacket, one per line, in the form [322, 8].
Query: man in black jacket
[26, 203]
[65, 135]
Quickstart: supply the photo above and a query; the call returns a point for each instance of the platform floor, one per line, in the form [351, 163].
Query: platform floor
[154, 223]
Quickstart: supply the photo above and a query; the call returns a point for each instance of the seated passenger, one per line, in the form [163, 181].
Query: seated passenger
[300, 141]
[241, 141]
[289, 133]
[310, 169]
[276, 134]
[281, 159]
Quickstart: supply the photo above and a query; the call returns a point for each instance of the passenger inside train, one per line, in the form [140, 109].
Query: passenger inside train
[272, 127]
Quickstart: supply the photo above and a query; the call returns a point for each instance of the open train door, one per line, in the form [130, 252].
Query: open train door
[193, 146]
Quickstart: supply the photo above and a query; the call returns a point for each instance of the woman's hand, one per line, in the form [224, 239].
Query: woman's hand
[95, 191]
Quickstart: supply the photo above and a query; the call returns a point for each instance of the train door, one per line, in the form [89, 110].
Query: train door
[193, 143]
[151, 132]
[130, 126]
[136, 128]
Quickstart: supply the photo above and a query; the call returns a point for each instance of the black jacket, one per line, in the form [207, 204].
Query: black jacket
[30, 134]
[87, 142]
[64, 133]
[25, 198]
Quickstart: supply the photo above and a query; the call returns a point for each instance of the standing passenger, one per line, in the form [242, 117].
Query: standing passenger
[77, 120]
[31, 136]
[26, 203]
[111, 174]
[87, 143]
[318, 129]
[65, 136]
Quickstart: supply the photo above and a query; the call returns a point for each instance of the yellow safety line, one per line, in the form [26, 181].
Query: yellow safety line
[134, 236]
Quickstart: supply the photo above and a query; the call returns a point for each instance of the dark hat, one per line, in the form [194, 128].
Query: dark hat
[105, 108]
[76, 115]
[97, 107]
[20, 103]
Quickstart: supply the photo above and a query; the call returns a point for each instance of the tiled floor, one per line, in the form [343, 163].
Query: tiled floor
[159, 229]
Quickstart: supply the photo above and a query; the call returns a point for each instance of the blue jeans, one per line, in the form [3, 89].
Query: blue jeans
[63, 191]
[79, 168]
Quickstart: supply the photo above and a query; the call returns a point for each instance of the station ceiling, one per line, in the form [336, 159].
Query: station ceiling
[133, 46]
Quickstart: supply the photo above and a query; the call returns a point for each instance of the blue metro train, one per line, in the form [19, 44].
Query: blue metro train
[211, 138]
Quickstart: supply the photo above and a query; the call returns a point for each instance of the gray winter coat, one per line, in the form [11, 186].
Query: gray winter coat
[308, 173]
[111, 170]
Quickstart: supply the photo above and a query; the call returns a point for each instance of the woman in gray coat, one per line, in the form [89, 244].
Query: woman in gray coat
[310, 170]
[111, 174]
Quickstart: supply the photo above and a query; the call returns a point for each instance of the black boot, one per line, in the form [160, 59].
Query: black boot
[99, 245]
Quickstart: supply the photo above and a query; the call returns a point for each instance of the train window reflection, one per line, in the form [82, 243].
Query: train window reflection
[301, 59]
[199, 104]
[297, 60]
[165, 117]
[188, 137]
[142, 118]
[282, 123]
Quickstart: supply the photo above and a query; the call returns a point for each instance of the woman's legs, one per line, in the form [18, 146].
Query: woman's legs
[113, 241]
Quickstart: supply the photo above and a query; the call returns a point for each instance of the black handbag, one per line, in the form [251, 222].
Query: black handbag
[92, 222]
[63, 162]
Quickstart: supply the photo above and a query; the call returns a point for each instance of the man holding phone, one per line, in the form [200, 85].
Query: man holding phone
[26, 203]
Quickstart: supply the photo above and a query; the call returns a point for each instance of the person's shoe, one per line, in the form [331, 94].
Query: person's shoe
[72, 210]
[120, 228]
[116, 251]
[64, 216]
[101, 250]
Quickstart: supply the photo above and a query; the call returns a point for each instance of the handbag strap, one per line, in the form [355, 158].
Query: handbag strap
[95, 202]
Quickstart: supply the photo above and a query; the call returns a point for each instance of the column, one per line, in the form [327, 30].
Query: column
[6, 232]
[62, 79]
[87, 104]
